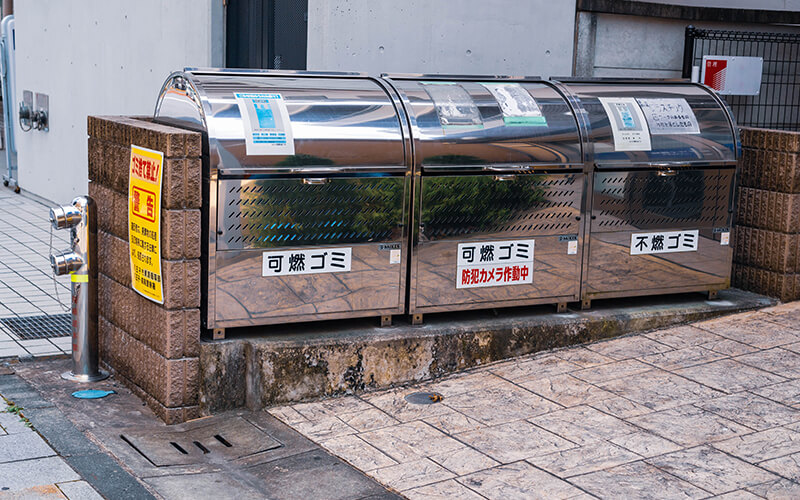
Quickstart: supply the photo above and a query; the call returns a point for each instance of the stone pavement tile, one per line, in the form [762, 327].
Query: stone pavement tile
[788, 466]
[566, 390]
[612, 371]
[588, 458]
[357, 452]
[393, 403]
[689, 425]
[682, 358]
[464, 461]
[779, 361]
[459, 384]
[42, 492]
[287, 415]
[620, 407]
[23, 446]
[789, 347]
[500, 404]
[371, 418]
[754, 331]
[787, 393]
[583, 357]
[763, 445]
[207, 485]
[453, 422]
[782, 489]
[411, 474]
[310, 475]
[729, 347]
[583, 424]
[36, 472]
[737, 495]
[645, 443]
[629, 347]
[11, 423]
[331, 407]
[410, 441]
[659, 390]
[781, 309]
[539, 366]
[729, 376]
[683, 336]
[637, 480]
[751, 410]
[519, 480]
[79, 490]
[514, 441]
[711, 469]
[323, 428]
[446, 490]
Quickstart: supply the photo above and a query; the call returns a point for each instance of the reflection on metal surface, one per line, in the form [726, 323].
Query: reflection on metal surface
[470, 206]
[292, 212]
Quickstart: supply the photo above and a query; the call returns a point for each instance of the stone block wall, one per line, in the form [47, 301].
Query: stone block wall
[767, 234]
[152, 348]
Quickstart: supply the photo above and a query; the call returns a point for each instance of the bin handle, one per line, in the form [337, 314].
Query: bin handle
[315, 180]
[505, 177]
[667, 172]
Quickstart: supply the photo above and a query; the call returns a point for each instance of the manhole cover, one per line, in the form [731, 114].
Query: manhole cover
[232, 439]
[424, 398]
[47, 326]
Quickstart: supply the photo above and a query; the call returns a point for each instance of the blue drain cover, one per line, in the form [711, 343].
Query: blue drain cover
[91, 394]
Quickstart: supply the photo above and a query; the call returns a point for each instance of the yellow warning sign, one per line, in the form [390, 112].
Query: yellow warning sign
[144, 221]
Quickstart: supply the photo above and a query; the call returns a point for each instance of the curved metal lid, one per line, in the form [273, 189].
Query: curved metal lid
[488, 122]
[284, 122]
[654, 122]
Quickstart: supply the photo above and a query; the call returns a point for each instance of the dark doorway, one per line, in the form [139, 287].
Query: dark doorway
[269, 34]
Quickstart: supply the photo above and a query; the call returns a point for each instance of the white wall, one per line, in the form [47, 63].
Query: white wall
[99, 57]
[512, 37]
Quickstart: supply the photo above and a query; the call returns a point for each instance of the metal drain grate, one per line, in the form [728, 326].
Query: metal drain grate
[46, 326]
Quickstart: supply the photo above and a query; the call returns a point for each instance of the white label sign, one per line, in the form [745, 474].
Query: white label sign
[317, 260]
[455, 107]
[494, 263]
[664, 242]
[394, 256]
[267, 128]
[518, 107]
[572, 247]
[725, 238]
[628, 124]
[733, 75]
[669, 116]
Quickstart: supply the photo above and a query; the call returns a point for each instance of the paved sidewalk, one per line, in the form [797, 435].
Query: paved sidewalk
[30, 468]
[28, 298]
[695, 411]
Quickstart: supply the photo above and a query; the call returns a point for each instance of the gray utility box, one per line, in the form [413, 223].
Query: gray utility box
[307, 186]
[498, 193]
[662, 162]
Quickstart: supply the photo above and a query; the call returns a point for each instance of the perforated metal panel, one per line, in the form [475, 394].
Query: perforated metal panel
[642, 200]
[287, 212]
[533, 204]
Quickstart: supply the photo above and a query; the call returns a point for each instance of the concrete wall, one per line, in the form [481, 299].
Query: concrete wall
[633, 46]
[736, 4]
[533, 37]
[100, 57]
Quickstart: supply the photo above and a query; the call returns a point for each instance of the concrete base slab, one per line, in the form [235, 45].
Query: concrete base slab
[260, 367]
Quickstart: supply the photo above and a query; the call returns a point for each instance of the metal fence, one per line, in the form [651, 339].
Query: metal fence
[777, 106]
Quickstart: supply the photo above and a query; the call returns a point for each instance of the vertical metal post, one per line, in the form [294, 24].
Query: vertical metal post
[688, 51]
[81, 263]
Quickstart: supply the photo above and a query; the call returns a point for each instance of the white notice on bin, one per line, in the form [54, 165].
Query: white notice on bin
[494, 263]
[267, 129]
[628, 124]
[664, 242]
[669, 116]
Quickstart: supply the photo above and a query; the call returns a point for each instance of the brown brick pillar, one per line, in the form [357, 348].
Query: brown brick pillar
[767, 235]
[152, 348]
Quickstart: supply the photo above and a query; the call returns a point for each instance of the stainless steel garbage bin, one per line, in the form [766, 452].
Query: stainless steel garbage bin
[662, 162]
[306, 188]
[498, 186]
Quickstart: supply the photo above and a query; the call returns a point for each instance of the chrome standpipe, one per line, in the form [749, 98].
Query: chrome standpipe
[80, 262]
